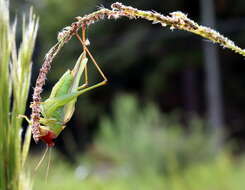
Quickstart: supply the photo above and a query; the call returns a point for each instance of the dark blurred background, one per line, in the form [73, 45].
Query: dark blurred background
[183, 74]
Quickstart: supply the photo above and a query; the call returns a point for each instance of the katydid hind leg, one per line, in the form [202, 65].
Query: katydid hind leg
[69, 107]
[66, 98]
[90, 55]
[80, 67]
[70, 110]
[85, 84]
[80, 89]
[92, 58]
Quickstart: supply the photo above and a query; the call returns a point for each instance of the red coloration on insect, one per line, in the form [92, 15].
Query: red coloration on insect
[48, 138]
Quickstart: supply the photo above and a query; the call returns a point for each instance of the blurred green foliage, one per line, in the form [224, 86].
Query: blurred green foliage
[139, 148]
[218, 175]
[139, 135]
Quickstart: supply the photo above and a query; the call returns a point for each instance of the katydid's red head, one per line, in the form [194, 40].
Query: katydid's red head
[48, 138]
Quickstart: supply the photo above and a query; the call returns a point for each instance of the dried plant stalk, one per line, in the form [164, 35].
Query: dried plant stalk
[35, 116]
[176, 20]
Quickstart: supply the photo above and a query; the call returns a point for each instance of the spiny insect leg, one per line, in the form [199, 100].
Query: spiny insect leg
[86, 67]
[92, 58]
[85, 84]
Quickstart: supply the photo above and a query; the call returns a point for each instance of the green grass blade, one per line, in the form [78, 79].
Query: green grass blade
[15, 73]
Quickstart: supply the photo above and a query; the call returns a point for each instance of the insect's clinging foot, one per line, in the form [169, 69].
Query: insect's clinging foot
[86, 42]
[24, 117]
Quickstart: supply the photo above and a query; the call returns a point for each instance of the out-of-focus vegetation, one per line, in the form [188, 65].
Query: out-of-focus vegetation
[220, 174]
[143, 137]
[132, 144]
[140, 148]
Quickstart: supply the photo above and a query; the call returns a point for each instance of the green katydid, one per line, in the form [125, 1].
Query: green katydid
[58, 109]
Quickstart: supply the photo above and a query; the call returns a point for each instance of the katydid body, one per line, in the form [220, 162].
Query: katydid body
[58, 109]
